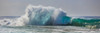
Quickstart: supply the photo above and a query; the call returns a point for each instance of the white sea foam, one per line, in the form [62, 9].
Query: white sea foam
[37, 15]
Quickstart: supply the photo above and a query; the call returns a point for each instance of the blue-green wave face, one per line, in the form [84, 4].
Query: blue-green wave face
[93, 22]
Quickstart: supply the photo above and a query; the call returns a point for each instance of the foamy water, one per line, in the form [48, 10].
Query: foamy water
[46, 29]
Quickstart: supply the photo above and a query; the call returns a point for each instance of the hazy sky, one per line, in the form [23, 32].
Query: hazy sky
[73, 7]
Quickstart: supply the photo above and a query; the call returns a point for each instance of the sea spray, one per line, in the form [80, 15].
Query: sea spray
[40, 15]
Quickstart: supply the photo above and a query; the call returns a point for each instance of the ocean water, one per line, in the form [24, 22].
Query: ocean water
[41, 19]
[44, 29]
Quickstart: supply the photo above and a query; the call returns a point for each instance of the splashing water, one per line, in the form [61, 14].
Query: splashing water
[38, 15]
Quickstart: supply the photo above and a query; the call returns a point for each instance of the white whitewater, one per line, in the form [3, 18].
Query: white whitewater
[37, 15]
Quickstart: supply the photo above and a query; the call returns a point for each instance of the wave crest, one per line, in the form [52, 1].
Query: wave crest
[40, 15]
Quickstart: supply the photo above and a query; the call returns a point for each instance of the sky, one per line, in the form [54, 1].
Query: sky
[72, 7]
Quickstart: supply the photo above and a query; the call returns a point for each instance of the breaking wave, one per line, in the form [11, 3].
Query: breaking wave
[39, 15]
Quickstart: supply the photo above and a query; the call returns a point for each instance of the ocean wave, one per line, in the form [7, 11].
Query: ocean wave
[39, 15]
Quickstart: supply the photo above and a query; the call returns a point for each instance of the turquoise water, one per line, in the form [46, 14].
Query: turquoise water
[87, 22]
